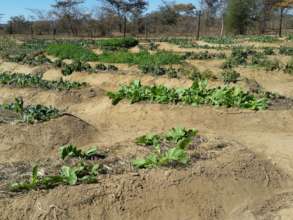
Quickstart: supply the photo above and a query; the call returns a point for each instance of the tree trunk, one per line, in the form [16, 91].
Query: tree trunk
[281, 22]
[222, 26]
[125, 27]
[198, 25]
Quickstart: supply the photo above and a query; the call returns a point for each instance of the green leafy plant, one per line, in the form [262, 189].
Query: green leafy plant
[80, 173]
[36, 81]
[197, 94]
[174, 155]
[148, 140]
[72, 151]
[31, 113]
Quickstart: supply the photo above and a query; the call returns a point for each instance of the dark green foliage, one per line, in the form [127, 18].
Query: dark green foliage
[31, 113]
[268, 51]
[29, 59]
[230, 76]
[204, 55]
[239, 56]
[36, 81]
[79, 66]
[239, 15]
[103, 67]
[258, 59]
[152, 46]
[117, 43]
[286, 51]
[190, 72]
[197, 94]
[71, 51]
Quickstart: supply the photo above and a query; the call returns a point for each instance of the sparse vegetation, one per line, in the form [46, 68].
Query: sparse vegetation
[81, 172]
[177, 140]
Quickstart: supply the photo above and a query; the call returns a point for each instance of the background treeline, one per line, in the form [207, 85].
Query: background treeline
[131, 17]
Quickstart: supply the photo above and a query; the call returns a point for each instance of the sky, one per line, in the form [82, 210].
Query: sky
[20, 7]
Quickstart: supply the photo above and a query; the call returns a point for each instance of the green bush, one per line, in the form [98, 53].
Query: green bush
[71, 51]
[117, 43]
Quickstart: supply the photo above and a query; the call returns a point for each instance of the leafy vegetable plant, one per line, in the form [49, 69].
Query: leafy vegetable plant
[174, 155]
[197, 94]
[36, 81]
[72, 151]
[32, 113]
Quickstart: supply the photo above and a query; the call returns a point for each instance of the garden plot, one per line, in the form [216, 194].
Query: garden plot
[184, 134]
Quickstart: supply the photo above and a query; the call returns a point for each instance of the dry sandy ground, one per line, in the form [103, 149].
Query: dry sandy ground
[244, 171]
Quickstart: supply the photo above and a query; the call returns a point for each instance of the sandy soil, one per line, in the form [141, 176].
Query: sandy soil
[243, 168]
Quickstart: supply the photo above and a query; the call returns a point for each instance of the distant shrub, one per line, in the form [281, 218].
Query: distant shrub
[117, 43]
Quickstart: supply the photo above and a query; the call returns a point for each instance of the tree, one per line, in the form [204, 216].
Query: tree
[125, 8]
[239, 15]
[68, 13]
[18, 24]
[282, 5]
